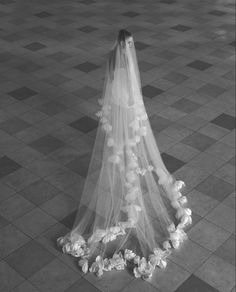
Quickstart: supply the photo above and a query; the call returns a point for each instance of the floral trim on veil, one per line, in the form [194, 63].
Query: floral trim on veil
[76, 245]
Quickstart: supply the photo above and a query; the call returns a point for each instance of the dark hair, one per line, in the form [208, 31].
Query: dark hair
[123, 35]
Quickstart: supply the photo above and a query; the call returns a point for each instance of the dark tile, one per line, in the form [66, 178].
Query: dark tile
[46, 144]
[151, 91]
[140, 46]
[199, 65]
[86, 92]
[167, 55]
[69, 220]
[5, 56]
[7, 166]
[39, 192]
[215, 188]
[217, 12]
[29, 259]
[225, 121]
[171, 163]
[14, 125]
[3, 222]
[80, 165]
[198, 141]
[52, 108]
[87, 28]
[175, 77]
[159, 123]
[43, 14]
[35, 46]
[86, 67]
[195, 284]
[180, 27]
[168, 1]
[186, 105]
[85, 124]
[130, 14]
[22, 93]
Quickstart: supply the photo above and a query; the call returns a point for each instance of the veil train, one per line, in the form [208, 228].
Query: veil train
[131, 213]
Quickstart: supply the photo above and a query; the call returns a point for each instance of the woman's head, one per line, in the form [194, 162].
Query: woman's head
[125, 38]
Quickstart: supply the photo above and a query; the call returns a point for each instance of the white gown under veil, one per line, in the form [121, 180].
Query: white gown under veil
[131, 212]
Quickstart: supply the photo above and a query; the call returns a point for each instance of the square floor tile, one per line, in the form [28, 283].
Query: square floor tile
[211, 90]
[180, 27]
[22, 93]
[227, 251]
[175, 77]
[9, 278]
[25, 286]
[199, 65]
[172, 163]
[29, 259]
[222, 216]
[52, 108]
[39, 192]
[86, 67]
[15, 207]
[140, 46]
[186, 105]
[82, 285]
[217, 273]
[199, 141]
[217, 12]
[170, 278]
[35, 46]
[85, 124]
[59, 206]
[195, 284]
[14, 125]
[56, 276]
[225, 121]
[8, 166]
[216, 188]
[87, 28]
[208, 235]
[151, 91]
[190, 255]
[43, 14]
[11, 239]
[46, 144]
[130, 14]
[86, 92]
[80, 165]
[34, 222]
[159, 123]
[69, 220]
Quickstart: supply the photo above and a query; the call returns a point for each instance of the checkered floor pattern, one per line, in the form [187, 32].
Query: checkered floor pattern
[52, 65]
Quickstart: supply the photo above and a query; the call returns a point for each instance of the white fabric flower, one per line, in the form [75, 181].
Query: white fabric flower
[99, 114]
[183, 200]
[107, 127]
[134, 124]
[83, 263]
[166, 245]
[129, 254]
[109, 237]
[118, 262]
[100, 101]
[178, 185]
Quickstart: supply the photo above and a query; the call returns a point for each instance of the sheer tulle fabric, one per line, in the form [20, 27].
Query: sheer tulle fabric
[131, 211]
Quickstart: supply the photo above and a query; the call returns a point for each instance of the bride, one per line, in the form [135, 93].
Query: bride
[131, 212]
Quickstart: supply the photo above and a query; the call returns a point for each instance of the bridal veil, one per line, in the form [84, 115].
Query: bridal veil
[131, 212]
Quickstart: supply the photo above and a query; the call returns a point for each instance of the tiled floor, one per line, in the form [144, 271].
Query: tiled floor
[52, 61]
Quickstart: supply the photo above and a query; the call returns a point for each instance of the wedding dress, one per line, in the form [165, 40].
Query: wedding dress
[131, 212]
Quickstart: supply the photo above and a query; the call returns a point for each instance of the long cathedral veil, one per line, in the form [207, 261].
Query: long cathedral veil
[131, 211]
